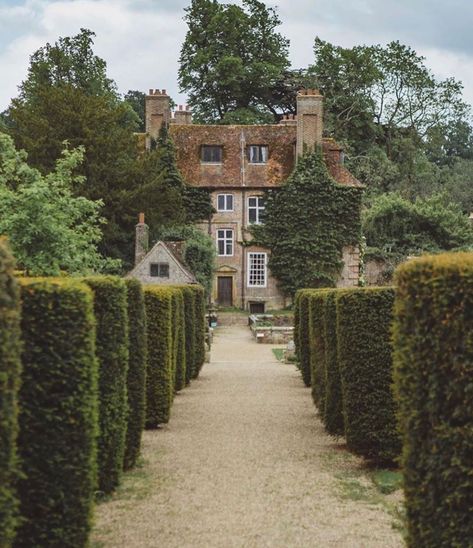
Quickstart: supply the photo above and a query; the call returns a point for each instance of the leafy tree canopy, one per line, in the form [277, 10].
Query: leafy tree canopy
[49, 228]
[136, 100]
[231, 58]
[307, 222]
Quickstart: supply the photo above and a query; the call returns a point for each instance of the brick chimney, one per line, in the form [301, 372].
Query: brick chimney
[141, 239]
[183, 116]
[309, 120]
[157, 113]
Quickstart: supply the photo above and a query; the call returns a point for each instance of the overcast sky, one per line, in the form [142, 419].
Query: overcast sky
[141, 39]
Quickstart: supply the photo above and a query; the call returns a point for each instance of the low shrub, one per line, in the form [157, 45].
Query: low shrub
[333, 412]
[58, 413]
[110, 309]
[433, 356]
[159, 370]
[317, 347]
[136, 376]
[364, 318]
[9, 384]
[303, 336]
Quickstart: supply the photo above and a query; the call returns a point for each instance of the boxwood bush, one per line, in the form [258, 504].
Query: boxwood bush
[9, 385]
[433, 342]
[110, 309]
[364, 318]
[159, 370]
[58, 413]
[303, 341]
[333, 412]
[136, 377]
[317, 347]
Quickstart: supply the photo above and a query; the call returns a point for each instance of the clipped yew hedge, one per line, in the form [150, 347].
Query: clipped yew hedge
[159, 369]
[136, 376]
[433, 343]
[333, 411]
[199, 326]
[302, 335]
[179, 342]
[58, 413]
[110, 309]
[9, 384]
[364, 318]
[316, 300]
[190, 330]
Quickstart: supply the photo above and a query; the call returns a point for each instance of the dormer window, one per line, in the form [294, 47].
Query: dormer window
[258, 154]
[211, 154]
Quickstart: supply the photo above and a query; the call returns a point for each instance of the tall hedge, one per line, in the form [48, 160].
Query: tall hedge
[110, 309]
[433, 342]
[333, 412]
[190, 330]
[179, 342]
[199, 326]
[58, 414]
[317, 348]
[303, 341]
[364, 318]
[159, 370]
[9, 385]
[136, 377]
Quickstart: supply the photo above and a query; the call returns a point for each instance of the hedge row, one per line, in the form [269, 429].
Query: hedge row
[344, 334]
[433, 362]
[9, 385]
[82, 395]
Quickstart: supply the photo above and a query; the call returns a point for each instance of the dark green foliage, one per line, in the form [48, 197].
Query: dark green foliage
[364, 318]
[190, 330]
[110, 309]
[179, 342]
[136, 378]
[433, 356]
[159, 370]
[333, 415]
[58, 414]
[136, 99]
[317, 348]
[200, 327]
[308, 252]
[10, 368]
[303, 341]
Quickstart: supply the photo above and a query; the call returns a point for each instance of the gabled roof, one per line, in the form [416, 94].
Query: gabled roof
[172, 258]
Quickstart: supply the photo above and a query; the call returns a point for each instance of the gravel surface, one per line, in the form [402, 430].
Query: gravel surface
[244, 462]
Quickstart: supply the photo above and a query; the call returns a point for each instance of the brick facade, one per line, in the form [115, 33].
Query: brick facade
[236, 175]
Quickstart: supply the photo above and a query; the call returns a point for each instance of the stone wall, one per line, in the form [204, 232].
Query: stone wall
[350, 274]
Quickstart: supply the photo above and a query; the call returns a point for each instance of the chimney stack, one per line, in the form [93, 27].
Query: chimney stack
[183, 116]
[309, 120]
[141, 239]
[157, 113]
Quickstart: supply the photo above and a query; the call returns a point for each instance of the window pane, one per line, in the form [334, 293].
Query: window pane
[163, 270]
[257, 269]
[229, 202]
[154, 269]
[229, 248]
[221, 202]
[252, 215]
[252, 202]
[221, 247]
[211, 154]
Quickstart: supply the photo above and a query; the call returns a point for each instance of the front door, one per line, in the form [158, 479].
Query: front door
[225, 290]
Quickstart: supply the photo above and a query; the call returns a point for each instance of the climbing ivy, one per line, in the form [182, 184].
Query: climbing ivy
[308, 221]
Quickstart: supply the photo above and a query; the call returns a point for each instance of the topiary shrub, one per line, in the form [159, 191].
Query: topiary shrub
[303, 336]
[317, 348]
[190, 330]
[364, 318]
[10, 368]
[58, 413]
[433, 356]
[199, 326]
[333, 412]
[179, 343]
[110, 309]
[159, 370]
[136, 376]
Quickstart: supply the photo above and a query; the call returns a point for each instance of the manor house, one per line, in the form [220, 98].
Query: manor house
[237, 163]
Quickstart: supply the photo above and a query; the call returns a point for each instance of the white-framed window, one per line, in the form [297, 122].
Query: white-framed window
[258, 154]
[225, 242]
[255, 210]
[211, 154]
[225, 202]
[257, 270]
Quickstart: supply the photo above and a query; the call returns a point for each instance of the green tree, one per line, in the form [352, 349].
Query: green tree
[307, 223]
[49, 228]
[231, 59]
[136, 100]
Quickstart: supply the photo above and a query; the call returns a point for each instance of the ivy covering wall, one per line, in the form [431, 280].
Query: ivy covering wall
[308, 221]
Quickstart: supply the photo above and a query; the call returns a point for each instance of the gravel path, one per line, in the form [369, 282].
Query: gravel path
[244, 462]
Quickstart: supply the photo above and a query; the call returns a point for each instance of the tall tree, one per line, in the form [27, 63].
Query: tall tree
[136, 100]
[231, 58]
